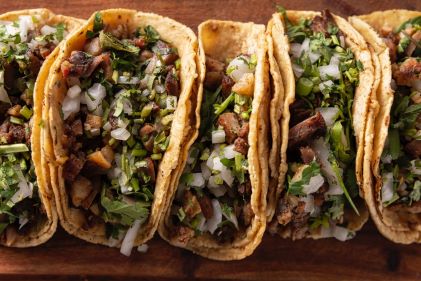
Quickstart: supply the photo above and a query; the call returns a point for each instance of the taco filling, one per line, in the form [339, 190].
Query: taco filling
[24, 45]
[122, 93]
[400, 161]
[213, 196]
[321, 186]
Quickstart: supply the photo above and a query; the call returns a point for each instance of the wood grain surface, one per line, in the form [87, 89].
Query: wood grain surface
[369, 256]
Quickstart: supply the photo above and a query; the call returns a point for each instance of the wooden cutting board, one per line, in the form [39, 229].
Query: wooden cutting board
[369, 256]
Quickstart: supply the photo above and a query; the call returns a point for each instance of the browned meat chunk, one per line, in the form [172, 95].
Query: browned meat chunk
[14, 110]
[214, 65]
[77, 128]
[307, 154]
[81, 64]
[414, 208]
[73, 166]
[93, 124]
[241, 145]
[83, 192]
[101, 159]
[11, 72]
[321, 23]
[391, 43]
[285, 214]
[148, 170]
[18, 133]
[244, 131]
[171, 83]
[415, 39]
[145, 55]
[247, 214]
[170, 58]
[205, 206]
[191, 205]
[306, 131]
[413, 148]
[299, 112]
[245, 188]
[147, 134]
[34, 63]
[5, 137]
[140, 42]
[407, 72]
[213, 80]
[226, 85]
[229, 121]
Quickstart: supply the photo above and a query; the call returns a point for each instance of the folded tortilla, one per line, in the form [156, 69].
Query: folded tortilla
[223, 41]
[283, 96]
[398, 226]
[184, 41]
[45, 227]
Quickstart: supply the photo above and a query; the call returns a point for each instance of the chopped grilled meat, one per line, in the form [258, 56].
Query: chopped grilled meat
[245, 188]
[170, 58]
[414, 208]
[321, 23]
[77, 128]
[285, 214]
[18, 133]
[14, 110]
[145, 55]
[191, 205]
[407, 72]
[241, 145]
[73, 166]
[415, 39]
[93, 124]
[205, 206]
[245, 86]
[299, 112]
[34, 63]
[306, 131]
[226, 85]
[214, 65]
[11, 72]
[307, 154]
[413, 148]
[140, 42]
[81, 64]
[83, 192]
[225, 233]
[100, 161]
[147, 134]
[149, 170]
[247, 214]
[5, 137]
[229, 121]
[244, 131]
[299, 221]
[171, 83]
[213, 79]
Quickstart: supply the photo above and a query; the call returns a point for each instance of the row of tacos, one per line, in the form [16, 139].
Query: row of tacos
[127, 123]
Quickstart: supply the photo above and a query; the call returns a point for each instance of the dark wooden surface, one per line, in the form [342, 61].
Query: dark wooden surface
[369, 256]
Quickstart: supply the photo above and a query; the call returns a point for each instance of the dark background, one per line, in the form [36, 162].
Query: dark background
[369, 256]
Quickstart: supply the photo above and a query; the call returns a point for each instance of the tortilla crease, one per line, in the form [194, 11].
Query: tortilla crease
[400, 227]
[222, 40]
[44, 229]
[281, 101]
[179, 36]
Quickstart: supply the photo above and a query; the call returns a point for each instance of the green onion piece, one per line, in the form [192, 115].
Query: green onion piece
[394, 144]
[146, 110]
[304, 86]
[16, 120]
[156, 156]
[26, 112]
[167, 119]
[177, 64]
[134, 182]
[108, 41]
[131, 141]
[138, 152]
[238, 162]
[13, 148]
[219, 108]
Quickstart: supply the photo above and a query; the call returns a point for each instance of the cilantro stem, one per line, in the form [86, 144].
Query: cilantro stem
[219, 108]
[13, 148]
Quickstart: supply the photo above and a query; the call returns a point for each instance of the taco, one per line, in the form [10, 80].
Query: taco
[28, 41]
[219, 201]
[392, 177]
[326, 76]
[120, 93]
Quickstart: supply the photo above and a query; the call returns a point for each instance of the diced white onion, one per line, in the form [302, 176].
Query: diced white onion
[229, 151]
[314, 184]
[239, 67]
[95, 95]
[387, 187]
[341, 233]
[143, 248]
[107, 126]
[25, 24]
[70, 106]
[159, 88]
[330, 114]
[12, 30]
[232, 218]
[309, 203]
[314, 56]
[334, 60]
[218, 136]
[414, 169]
[218, 191]
[209, 162]
[212, 223]
[298, 70]
[386, 159]
[322, 150]
[305, 46]
[330, 71]
[47, 30]
[129, 238]
[171, 102]
[206, 172]
[74, 92]
[198, 180]
[151, 65]
[25, 189]
[325, 84]
[227, 176]
[128, 80]
[217, 164]
[295, 49]
[202, 224]
[22, 221]
[120, 134]
[114, 173]
[127, 107]
[326, 232]
[4, 97]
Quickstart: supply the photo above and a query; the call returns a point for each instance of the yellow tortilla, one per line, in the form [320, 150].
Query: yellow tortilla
[45, 229]
[400, 227]
[222, 40]
[280, 113]
[179, 36]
